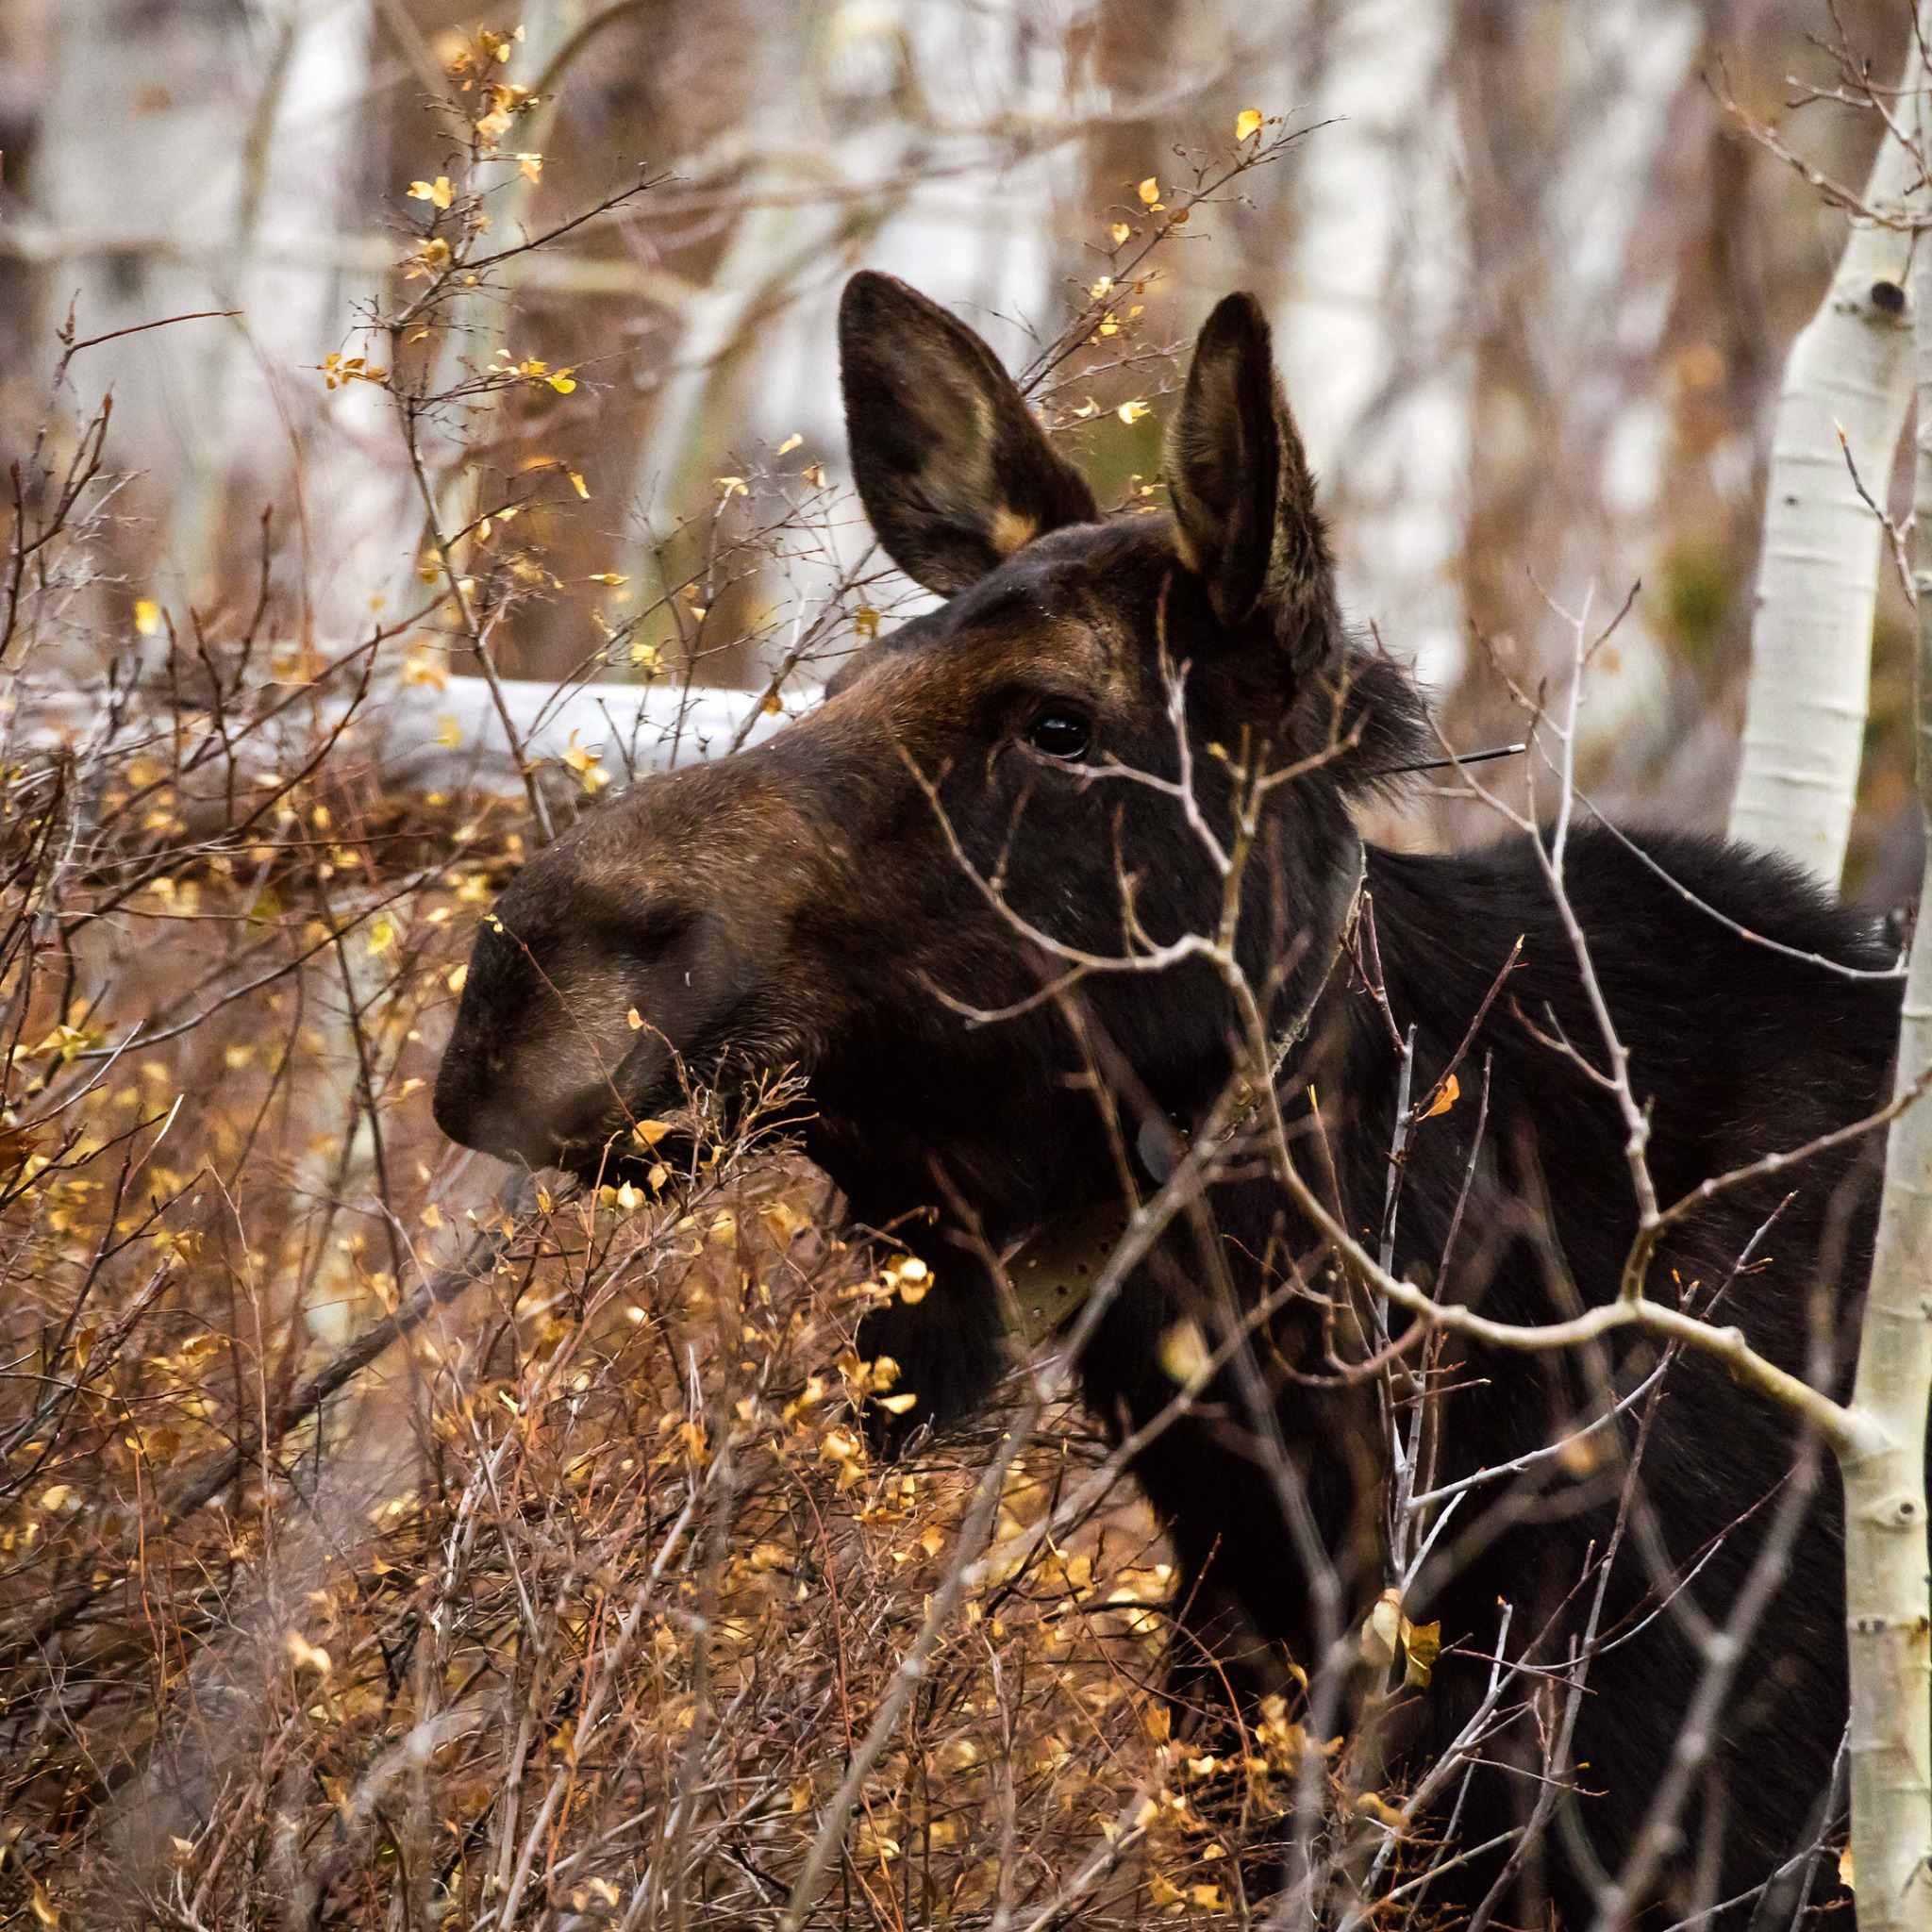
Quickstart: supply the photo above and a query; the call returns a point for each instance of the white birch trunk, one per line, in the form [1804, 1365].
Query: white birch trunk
[197, 158]
[927, 108]
[1888, 1598]
[1817, 585]
[1377, 269]
[833, 92]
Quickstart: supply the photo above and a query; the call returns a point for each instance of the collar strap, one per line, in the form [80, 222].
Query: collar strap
[1055, 1269]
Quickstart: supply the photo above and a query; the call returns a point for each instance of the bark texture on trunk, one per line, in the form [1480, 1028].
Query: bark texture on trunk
[1887, 1600]
[1850, 371]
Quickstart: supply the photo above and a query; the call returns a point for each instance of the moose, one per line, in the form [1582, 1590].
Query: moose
[867, 899]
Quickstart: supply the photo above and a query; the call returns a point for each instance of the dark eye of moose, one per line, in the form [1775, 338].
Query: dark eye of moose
[1059, 734]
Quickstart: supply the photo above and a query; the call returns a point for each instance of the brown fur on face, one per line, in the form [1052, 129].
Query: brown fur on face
[800, 906]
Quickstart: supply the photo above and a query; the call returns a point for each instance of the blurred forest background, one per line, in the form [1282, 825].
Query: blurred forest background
[299, 1625]
[1532, 285]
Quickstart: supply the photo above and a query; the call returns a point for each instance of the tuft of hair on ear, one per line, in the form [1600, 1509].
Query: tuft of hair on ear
[952, 469]
[1243, 495]
[1369, 707]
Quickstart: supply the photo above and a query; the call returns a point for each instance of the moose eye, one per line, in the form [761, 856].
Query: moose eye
[1059, 734]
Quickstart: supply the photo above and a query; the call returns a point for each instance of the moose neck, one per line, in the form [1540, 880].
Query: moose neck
[1055, 1158]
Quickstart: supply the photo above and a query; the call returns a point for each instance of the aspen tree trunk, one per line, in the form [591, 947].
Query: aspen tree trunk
[1816, 585]
[834, 83]
[1887, 1601]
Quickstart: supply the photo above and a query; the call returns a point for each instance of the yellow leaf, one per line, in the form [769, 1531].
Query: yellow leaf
[1087, 408]
[1382, 1630]
[426, 667]
[865, 621]
[628, 1197]
[896, 1405]
[562, 382]
[782, 1220]
[1248, 121]
[1367, 1804]
[1184, 1354]
[790, 444]
[584, 762]
[448, 731]
[1101, 287]
[52, 1499]
[432, 1216]
[635, 1020]
[909, 1277]
[1121, 232]
[1421, 1644]
[648, 1133]
[307, 1656]
[148, 617]
[184, 1849]
[610, 577]
[1845, 1868]
[457, 976]
[873, 1846]
[382, 935]
[1164, 1892]
[1131, 412]
[44, 1908]
[532, 165]
[729, 487]
[576, 482]
[1149, 191]
[1451, 1088]
[438, 192]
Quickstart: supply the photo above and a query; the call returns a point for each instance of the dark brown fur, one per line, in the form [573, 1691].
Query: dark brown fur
[798, 906]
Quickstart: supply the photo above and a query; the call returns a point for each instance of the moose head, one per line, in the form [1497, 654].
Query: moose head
[853, 899]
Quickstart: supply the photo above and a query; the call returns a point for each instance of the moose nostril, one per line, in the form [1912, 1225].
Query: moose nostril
[455, 1104]
[496, 1131]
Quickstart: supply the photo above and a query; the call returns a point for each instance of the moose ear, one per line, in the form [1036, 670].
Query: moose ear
[953, 470]
[1244, 500]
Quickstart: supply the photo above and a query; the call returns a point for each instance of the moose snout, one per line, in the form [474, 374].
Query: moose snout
[473, 1120]
[639, 951]
[582, 1009]
[552, 1053]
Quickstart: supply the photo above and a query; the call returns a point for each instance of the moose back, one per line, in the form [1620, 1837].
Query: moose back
[974, 898]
